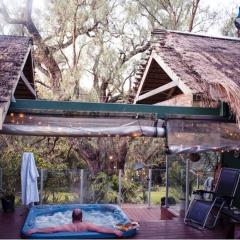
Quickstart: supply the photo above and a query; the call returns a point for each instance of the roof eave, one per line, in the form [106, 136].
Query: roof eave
[3, 111]
[176, 79]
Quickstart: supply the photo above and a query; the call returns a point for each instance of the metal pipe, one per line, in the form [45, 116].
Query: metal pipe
[167, 182]
[119, 186]
[41, 186]
[81, 185]
[149, 186]
[197, 181]
[187, 186]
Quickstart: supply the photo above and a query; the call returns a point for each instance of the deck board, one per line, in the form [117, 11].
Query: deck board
[151, 227]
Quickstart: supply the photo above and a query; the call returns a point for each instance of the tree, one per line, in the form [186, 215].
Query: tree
[183, 15]
[228, 28]
[43, 53]
[101, 41]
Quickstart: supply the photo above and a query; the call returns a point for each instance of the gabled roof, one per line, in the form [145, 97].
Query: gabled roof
[15, 64]
[190, 63]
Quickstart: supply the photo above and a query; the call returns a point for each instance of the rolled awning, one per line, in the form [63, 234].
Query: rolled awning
[90, 126]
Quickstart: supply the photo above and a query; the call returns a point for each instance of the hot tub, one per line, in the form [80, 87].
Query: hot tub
[106, 215]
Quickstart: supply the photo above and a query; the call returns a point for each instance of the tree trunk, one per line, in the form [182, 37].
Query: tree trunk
[43, 54]
[108, 155]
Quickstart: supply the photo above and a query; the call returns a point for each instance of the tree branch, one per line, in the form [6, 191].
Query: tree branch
[41, 69]
[7, 18]
[43, 84]
[28, 16]
[135, 51]
[149, 12]
[193, 14]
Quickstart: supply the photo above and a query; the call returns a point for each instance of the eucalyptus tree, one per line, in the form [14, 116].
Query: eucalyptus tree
[181, 15]
[228, 28]
[96, 42]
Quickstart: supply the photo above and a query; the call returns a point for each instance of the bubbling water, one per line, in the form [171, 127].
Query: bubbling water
[101, 218]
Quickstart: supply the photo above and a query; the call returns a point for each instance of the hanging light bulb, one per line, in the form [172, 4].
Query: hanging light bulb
[21, 115]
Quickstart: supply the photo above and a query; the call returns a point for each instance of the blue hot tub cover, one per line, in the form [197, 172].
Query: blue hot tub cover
[51, 209]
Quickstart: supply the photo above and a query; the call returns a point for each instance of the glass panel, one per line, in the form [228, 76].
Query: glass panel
[199, 178]
[158, 190]
[76, 186]
[201, 135]
[61, 186]
[134, 186]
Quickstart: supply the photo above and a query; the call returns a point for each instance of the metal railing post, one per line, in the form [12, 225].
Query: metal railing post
[149, 186]
[197, 181]
[167, 182]
[1, 178]
[119, 186]
[187, 186]
[81, 185]
[41, 185]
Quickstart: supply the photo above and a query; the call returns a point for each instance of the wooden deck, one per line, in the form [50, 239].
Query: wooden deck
[151, 225]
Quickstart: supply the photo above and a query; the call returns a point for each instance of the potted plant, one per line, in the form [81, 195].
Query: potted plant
[7, 193]
[8, 200]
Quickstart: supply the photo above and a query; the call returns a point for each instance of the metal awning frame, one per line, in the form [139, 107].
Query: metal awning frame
[81, 110]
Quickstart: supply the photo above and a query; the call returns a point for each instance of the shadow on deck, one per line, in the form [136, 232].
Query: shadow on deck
[151, 225]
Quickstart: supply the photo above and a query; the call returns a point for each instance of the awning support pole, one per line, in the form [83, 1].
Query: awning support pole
[81, 185]
[119, 186]
[167, 182]
[41, 186]
[149, 186]
[187, 186]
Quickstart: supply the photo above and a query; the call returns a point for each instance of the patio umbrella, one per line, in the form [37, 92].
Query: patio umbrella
[29, 175]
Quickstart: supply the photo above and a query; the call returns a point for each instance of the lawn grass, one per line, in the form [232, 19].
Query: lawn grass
[157, 195]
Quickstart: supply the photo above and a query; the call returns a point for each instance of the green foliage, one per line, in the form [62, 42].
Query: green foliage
[149, 151]
[156, 196]
[177, 173]
[104, 189]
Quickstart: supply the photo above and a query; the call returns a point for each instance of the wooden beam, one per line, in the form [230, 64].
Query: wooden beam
[143, 78]
[185, 89]
[170, 93]
[27, 83]
[157, 91]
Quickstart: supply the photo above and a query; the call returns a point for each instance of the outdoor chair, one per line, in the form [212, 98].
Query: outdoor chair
[204, 213]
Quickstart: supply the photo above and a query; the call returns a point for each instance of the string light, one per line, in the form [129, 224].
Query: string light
[21, 115]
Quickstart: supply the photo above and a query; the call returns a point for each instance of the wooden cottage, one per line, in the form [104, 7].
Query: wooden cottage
[16, 72]
[186, 69]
